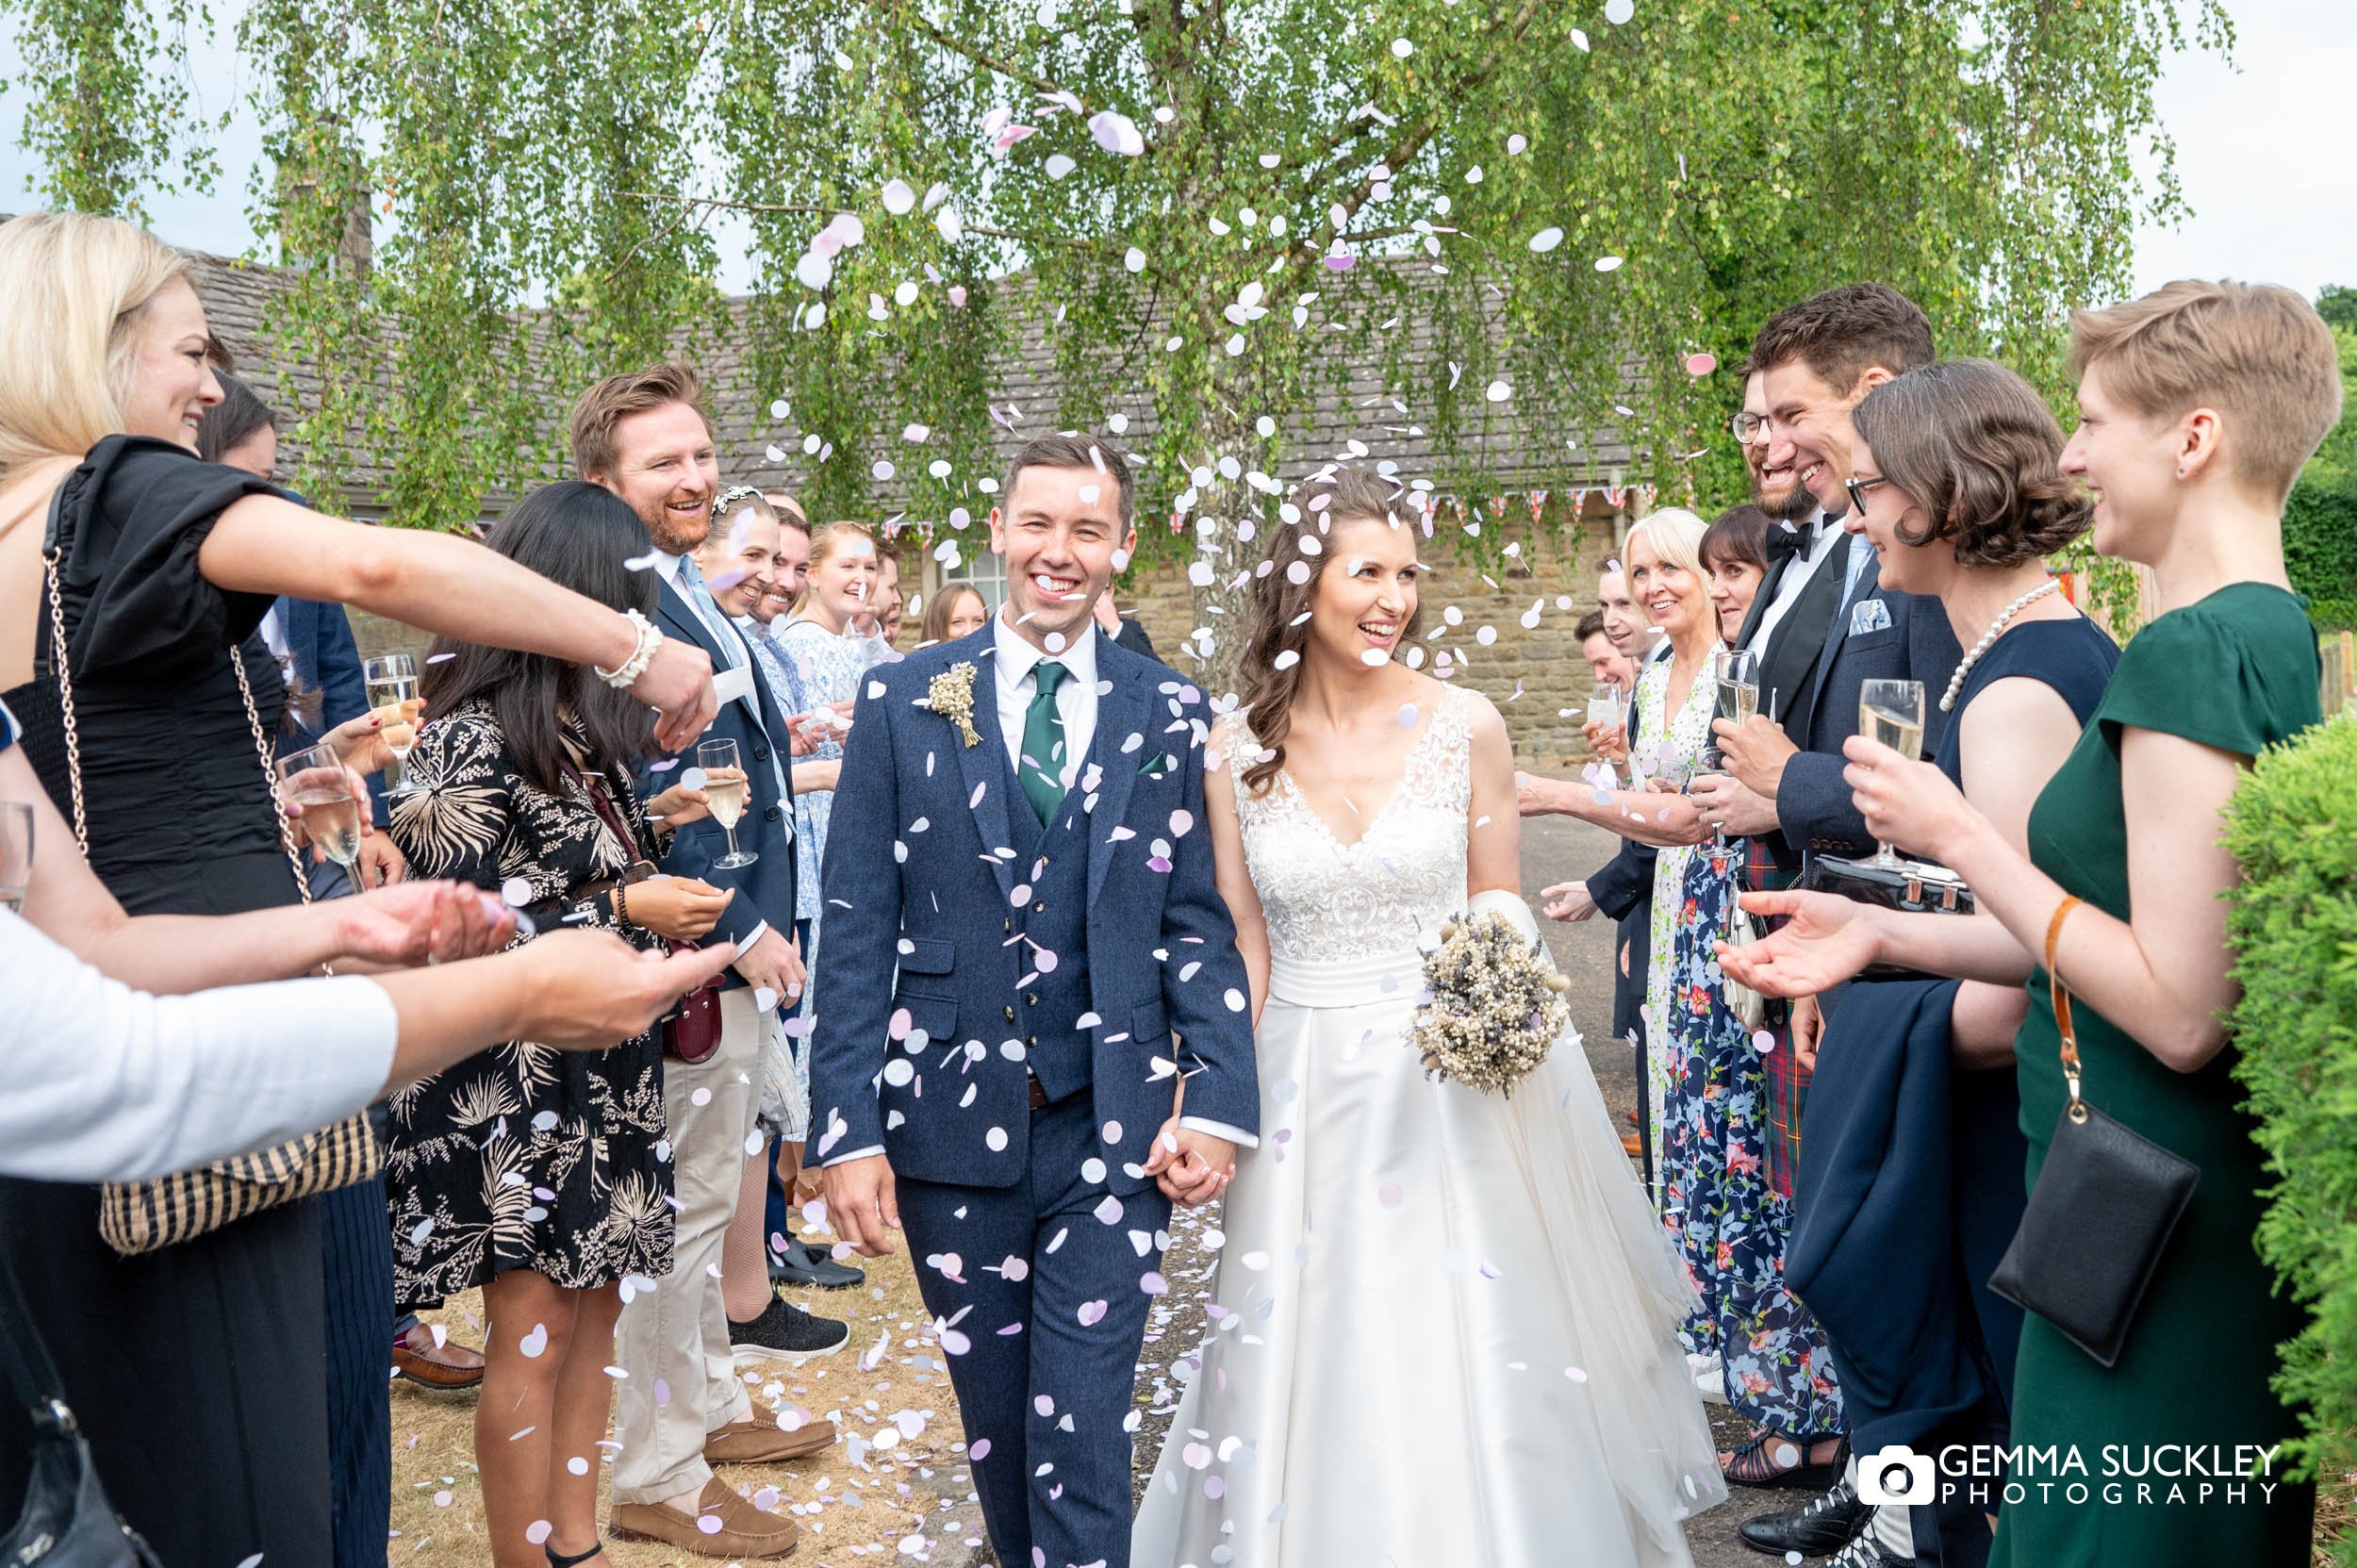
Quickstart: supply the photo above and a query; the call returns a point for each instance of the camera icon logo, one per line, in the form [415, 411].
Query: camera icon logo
[1896, 1475]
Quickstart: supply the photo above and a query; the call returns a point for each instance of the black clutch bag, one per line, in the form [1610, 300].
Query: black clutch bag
[2106, 1203]
[1915, 886]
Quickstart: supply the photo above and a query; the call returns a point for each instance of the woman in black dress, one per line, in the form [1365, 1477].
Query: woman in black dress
[542, 1178]
[198, 1369]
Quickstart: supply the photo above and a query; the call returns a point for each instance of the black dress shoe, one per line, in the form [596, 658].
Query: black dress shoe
[1831, 1520]
[1866, 1552]
[804, 1267]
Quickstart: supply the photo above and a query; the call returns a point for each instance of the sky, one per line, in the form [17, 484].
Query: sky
[2263, 149]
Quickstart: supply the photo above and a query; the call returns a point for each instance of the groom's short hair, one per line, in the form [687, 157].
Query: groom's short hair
[1075, 451]
[606, 404]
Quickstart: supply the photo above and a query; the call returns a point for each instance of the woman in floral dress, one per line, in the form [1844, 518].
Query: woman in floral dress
[1748, 1337]
[541, 1176]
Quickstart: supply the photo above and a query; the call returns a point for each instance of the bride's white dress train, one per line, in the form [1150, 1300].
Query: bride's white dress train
[1443, 1327]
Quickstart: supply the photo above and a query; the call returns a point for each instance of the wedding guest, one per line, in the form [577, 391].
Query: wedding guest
[1735, 559]
[820, 642]
[525, 767]
[643, 435]
[739, 561]
[1125, 630]
[150, 1043]
[1606, 665]
[1960, 489]
[2198, 404]
[1707, 1098]
[166, 567]
[888, 601]
[956, 611]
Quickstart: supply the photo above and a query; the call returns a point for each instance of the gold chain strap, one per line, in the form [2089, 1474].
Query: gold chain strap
[65, 701]
[270, 775]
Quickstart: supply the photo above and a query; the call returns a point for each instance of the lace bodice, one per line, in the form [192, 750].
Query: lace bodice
[1373, 898]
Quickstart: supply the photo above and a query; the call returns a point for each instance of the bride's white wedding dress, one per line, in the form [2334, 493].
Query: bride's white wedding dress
[1444, 1323]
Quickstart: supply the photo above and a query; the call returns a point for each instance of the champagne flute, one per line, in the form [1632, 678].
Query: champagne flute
[16, 852]
[317, 782]
[392, 682]
[1893, 713]
[724, 795]
[1737, 672]
[1607, 705]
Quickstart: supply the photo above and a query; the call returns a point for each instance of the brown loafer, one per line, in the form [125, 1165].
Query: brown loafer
[447, 1367]
[742, 1530]
[759, 1440]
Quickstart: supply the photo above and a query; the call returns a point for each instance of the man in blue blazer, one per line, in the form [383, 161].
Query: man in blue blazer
[1013, 1098]
[681, 1410]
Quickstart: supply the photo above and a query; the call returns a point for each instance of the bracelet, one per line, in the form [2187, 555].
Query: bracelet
[627, 674]
[621, 906]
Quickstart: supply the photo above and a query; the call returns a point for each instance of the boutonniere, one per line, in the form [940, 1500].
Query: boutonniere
[951, 695]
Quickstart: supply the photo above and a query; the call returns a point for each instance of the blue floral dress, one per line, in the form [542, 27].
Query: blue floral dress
[827, 667]
[1710, 1105]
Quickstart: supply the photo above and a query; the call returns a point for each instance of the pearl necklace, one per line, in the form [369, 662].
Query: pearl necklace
[1955, 682]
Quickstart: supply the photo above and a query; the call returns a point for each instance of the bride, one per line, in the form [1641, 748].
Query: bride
[1445, 1322]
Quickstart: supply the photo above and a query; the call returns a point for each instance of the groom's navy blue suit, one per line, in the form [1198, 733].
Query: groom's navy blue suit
[971, 949]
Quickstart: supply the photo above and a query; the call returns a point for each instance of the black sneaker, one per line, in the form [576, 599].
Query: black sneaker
[805, 1265]
[784, 1332]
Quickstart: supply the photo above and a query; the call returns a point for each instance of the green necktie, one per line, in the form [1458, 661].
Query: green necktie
[1041, 769]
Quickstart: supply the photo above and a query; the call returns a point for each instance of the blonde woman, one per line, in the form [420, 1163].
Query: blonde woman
[956, 611]
[203, 1369]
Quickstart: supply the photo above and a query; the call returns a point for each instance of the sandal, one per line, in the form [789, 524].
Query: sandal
[1754, 1464]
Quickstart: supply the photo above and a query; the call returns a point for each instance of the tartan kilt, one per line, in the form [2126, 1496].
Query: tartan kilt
[1787, 1080]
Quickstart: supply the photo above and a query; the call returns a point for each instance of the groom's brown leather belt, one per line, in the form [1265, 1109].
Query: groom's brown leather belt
[1039, 1095]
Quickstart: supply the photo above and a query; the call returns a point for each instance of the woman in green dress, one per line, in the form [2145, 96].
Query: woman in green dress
[2198, 404]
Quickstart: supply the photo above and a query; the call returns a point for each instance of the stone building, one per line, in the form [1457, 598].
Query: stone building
[1515, 562]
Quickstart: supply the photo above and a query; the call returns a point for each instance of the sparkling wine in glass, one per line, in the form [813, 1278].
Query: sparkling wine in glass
[1736, 673]
[1607, 705]
[314, 779]
[392, 684]
[1892, 711]
[16, 852]
[724, 793]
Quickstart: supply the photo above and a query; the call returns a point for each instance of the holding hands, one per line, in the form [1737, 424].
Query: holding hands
[1190, 1166]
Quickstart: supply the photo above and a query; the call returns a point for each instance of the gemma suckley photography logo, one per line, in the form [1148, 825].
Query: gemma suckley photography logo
[2156, 1475]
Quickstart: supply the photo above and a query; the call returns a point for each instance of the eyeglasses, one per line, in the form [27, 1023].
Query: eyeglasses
[1857, 488]
[1750, 427]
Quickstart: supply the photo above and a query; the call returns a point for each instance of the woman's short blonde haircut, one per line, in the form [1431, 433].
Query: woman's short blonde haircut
[1675, 534]
[72, 290]
[2255, 352]
[825, 540]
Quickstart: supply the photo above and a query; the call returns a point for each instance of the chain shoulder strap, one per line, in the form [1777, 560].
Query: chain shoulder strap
[65, 697]
[270, 775]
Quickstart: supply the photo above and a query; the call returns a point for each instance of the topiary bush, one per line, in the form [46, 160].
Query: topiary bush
[2293, 926]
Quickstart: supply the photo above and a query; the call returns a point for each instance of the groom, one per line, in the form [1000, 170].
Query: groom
[1010, 1096]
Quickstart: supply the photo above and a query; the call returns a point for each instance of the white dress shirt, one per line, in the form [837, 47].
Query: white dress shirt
[1016, 658]
[1793, 584]
[105, 1083]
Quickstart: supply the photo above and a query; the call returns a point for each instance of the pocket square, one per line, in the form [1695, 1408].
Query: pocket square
[1156, 766]
[1868, 614]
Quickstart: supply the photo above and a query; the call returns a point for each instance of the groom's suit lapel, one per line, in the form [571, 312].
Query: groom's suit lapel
[1121, 713]
[983, 766]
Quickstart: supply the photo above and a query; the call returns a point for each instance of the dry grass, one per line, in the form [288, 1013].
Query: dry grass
[856, 1502]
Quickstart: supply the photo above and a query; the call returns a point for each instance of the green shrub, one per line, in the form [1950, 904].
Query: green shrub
[2294, 930]
[2333, 615]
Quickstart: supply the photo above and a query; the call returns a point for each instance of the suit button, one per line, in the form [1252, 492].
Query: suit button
[1031, 1000]
[1011, 1014]
[1040, 908]
[1035, 1040]
[771, 814]
[761, 754]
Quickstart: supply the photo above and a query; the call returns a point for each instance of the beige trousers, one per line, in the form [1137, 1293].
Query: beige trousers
[673, 1340]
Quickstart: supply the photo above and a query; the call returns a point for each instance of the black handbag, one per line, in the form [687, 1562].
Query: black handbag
[66, 1521]
[2107, 1202]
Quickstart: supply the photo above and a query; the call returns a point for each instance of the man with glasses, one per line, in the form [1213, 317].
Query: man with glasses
[1811, 363]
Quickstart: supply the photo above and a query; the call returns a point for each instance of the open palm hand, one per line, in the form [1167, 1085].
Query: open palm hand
[1825, 940]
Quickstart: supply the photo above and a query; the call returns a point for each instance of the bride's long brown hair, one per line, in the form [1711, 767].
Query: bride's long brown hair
[1276, 620]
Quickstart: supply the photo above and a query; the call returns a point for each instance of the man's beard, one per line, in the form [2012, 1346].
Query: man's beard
[660, 526]
[1797, 507]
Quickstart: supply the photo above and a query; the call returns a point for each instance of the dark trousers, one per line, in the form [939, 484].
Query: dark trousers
[1628, 1022]
[1048, 1312]
[357, 1277]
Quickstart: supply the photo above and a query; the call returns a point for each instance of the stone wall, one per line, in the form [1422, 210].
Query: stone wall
[1536, 676]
